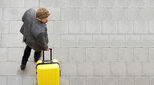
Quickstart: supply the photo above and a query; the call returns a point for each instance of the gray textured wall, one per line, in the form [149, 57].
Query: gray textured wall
[98, 42]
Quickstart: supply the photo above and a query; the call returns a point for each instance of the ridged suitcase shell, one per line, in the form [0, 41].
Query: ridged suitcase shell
[48, 73]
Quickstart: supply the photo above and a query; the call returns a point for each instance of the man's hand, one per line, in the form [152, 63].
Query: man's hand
[47, 49]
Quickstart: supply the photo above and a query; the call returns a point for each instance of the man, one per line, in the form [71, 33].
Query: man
[34, 32]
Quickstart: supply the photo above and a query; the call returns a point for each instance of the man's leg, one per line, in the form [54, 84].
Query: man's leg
[37, 55]
[25, 57]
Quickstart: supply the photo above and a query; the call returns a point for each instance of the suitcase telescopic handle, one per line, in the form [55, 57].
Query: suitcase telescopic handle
[50, 54]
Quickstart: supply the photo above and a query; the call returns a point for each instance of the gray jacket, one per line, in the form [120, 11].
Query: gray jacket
[34, 32]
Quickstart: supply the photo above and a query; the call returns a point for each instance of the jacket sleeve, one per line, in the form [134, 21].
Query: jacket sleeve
[41, 40]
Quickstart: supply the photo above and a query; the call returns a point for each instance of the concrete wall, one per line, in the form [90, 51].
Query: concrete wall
[98, 42]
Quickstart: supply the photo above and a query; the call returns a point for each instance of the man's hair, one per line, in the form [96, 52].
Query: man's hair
[42, 13]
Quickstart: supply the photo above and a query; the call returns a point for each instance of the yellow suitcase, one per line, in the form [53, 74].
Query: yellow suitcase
[48, 71]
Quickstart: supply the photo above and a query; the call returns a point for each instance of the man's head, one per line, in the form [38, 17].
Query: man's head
[42, 14]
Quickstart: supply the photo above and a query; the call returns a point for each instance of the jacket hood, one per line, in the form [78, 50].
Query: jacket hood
[29, 16]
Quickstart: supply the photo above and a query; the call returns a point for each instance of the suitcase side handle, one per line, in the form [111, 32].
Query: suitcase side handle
[50, 54]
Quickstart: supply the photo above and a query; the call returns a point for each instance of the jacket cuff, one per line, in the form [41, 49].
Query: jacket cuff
[45, 47]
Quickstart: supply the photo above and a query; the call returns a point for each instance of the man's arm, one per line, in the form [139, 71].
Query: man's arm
[42, 41]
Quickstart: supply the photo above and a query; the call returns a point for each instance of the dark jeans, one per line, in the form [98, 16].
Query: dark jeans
[26, 55]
